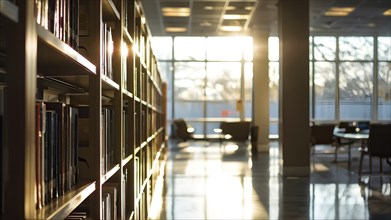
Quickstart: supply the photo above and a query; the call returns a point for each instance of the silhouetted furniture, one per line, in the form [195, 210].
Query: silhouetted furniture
[321, 134]
[351, 138]
[181, 130]
[254, 138]
[379, 145]
[348, 128]
[363, 125]
[235, 131]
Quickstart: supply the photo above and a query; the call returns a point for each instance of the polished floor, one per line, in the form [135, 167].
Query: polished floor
[205, 181]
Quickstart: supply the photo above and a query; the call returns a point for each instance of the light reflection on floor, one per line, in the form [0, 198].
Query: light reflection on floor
[205, 181]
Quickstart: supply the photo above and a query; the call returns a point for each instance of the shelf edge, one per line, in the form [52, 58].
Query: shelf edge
[9, 10]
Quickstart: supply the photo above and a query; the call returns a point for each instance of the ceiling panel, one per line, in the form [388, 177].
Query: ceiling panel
[206, 17]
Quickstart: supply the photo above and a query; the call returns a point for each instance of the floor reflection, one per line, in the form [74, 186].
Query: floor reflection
[205, 181]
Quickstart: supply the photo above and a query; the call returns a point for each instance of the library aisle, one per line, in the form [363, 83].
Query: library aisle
[205, 181]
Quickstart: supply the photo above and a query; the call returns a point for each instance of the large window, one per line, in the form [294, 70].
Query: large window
[356, 77]
[207, 76]
[210, 76]
[344, 78]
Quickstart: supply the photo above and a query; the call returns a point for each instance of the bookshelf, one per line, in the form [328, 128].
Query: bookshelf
[82, 109]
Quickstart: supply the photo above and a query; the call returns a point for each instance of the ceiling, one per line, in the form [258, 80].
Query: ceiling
[212, 17]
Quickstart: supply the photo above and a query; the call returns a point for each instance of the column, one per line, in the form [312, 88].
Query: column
[261, 87]
[294, 133]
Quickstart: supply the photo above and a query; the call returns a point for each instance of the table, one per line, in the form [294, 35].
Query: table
[362, 135]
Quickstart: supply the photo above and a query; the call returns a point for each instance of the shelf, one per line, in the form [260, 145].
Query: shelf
[109, 84]
[9, 10]
[127, 36]
[109, 174]
[126, 160]
[61, 85]
[127, 93]
[110, 11]
[137, 150]
[56, 58]
[64, 205]
[144, 144]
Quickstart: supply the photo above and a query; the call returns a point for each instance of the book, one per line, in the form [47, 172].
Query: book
[112, 191]
[60, 146]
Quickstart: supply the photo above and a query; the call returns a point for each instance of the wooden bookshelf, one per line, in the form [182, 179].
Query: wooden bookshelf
[83, 107]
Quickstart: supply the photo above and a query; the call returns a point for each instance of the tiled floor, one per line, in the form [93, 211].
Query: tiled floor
[204, 182]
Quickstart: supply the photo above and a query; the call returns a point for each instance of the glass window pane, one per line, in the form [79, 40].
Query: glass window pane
[162, 47]
[166, 73]
[274, 52]
[221, 109]
[248, 89]
[189, 48]
[384, 48]
[248, 81]
[247, 43]
[273, 87]
[225, 48]
[223, 89]
[188, 109]
[324, 48]
[164, 69]
[355, 85]
[273, 96]
[189, 81]
[324, 90]
[384, 91]
[356, 48]
[223, 81]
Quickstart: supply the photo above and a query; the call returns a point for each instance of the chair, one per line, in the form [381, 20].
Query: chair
[235, 131]
[181, 130]
[321, 134]
[348, 127]
[379, 145]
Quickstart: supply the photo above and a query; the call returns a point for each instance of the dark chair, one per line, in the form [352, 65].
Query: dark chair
[379, 145]
[235, 131]
[321, 134]
[181, 130]
[348, 127]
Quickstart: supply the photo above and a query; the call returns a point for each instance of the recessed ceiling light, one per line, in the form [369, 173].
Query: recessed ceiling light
[209, 8]
[339, 11]
[176, 11]
[176, 29]
[231, 28]
[235, 17]
[387, 12]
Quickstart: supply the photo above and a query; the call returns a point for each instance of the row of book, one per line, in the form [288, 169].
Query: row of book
[61, 17]
[86, 150]
[56, 150]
